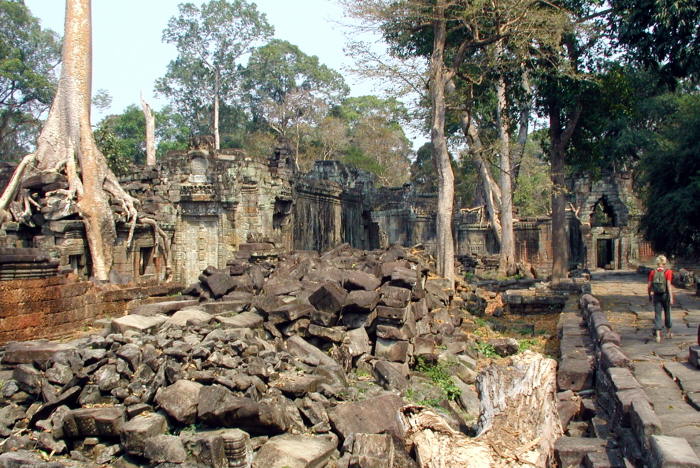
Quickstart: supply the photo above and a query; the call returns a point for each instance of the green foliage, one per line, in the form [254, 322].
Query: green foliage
[123, 135]
[660, 34]
[210, 40]
[279, 67]
[28, 58]
[524, 345]
[533, 193]
[486, 349]
[108, 143]
[424, 175]
[671, 176]
[440, 375]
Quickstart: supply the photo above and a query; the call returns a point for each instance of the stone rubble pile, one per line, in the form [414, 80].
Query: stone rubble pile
[257, 366]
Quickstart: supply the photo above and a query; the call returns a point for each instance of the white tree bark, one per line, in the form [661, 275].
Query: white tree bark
[439, 77]
[519, 422]
[150, 133]
[66, 145]
[507, 255]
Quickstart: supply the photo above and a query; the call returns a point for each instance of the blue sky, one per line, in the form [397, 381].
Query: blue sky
[128, 55]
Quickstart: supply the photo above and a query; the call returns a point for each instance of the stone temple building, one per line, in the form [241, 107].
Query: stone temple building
[214, 206]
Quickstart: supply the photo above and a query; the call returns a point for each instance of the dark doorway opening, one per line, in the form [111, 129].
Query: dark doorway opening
[605, 253]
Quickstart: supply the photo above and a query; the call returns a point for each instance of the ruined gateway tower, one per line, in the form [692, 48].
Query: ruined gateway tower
[214, 205]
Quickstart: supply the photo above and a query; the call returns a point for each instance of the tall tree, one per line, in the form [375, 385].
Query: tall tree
[66, 145]
[662, 35]
[28, 56]
[210, 40]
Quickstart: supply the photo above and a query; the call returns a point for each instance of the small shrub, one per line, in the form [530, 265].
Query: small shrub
[440, 375]
[486, 349]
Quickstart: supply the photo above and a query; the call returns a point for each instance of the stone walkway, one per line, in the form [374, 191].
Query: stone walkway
[671, 384]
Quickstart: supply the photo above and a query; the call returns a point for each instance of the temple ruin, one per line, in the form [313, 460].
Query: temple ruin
[215, 204]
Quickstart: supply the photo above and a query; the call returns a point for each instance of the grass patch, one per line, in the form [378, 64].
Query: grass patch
[440, 375]
[486, 349]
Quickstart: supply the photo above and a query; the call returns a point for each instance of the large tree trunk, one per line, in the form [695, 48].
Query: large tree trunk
[150, 133]
[507, 257]
[492, 193]
[217, 138]
[438, 79]
[518, 426]
[559, 137]
[66, 144]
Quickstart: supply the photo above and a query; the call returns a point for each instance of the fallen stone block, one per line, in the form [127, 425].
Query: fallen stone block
[392, 350]
[371, 416]
[290, 450]
[218, 406]
[164, 449]
[135, 432]
[219, 283]
[279, 414]
[105, 422]
[242, 320]
[328, 298]
[189, 316]
[359, 280]
[295, 384]
[612, 356]
[391, 375]
[27, 352]
[180, 400]
[137, 323]
[164, 308]
[308, 353]
[372, 451]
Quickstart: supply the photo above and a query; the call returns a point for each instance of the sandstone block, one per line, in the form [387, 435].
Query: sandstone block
[672, 452]
[294, 451]
[135, 432]
[180, 400]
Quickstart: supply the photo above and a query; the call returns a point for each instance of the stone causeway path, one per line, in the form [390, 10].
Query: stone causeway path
[670, 382]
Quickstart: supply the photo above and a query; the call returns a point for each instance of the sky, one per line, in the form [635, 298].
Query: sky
[128, 54]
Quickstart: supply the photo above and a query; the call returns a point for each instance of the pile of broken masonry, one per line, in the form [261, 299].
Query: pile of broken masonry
[300, 360]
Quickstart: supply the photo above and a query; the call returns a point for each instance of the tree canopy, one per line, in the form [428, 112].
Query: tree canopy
[28, 58]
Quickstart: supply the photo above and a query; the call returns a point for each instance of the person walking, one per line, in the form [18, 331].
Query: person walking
[661, 294]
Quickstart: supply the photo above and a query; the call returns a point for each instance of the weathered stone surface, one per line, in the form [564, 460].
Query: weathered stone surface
[308, 353]
[26, 352]
[329, 297]
[218, 406]
[392, 350]
[219, 283]
[393, 314]
[135, 432]
[295, 384]
[359, 280]
[137, 323]
[372, 451]
[372, 416]
[25, 458]
[644, 422]
[189, 316]
[280, 414]
[394, 296]
[294, 451]
[164, 308]
[180, 400]
[94, 422]
[672, 452]
[164, 449]
[570, 451]
[242, 320]
[360, 301]
[694, 356]
[205, 449]
[358, 342]
[575, 374]
[391, 375]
